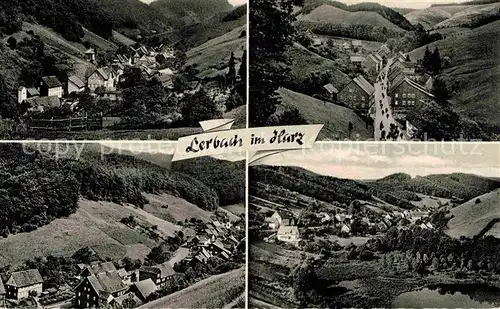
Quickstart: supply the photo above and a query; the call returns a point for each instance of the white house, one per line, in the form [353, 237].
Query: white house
[50, 86]
[345, 229]
[288, 233]
[101, 78]
[274, 221]
[21, 283]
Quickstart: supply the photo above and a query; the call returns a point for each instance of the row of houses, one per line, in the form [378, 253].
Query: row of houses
[285, 226]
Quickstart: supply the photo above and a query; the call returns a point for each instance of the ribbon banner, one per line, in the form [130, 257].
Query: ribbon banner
[219, 140]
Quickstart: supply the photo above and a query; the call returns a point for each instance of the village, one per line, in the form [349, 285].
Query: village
[297, 222]
[407, 83]
[62, 104]
[202, 250]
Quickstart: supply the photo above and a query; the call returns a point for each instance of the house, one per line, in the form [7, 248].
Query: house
[2, 293]
[324, 217]
[23, 283]
[288, 233]
[316, 41]
[402, 56]
[405, 93]
[330, 91]
[429, 84]
[90, 55]
[103, 286]
[100, 78]
[216, 248]
[356, 94]
[42, 103]
[356, 43]
[340, 217]
[117, 302]
[160, 274]
[345, 229]
[382, 226]
[373, 62]
[384, 51]
[125, 276]
[143, 289]
[274, 221]
[357, 59]
[75, 84]
[51, 86]
[97, 268]
[24, 93]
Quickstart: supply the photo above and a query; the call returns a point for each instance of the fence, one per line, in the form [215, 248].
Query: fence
[69, 124]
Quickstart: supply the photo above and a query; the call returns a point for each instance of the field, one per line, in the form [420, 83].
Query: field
[98, 41]
[120, 38]
[428, 17]
[470, 218]
[328, 13]
[177, 209]
[237, 209]
[334, 117]
[95, 224]
[471, 16]
[214, 292]
[213, 56]
[474, 71]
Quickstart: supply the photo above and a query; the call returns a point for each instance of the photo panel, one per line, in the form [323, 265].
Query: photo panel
[119, 225]
[376, 71]
[375, 225]
[120, 70]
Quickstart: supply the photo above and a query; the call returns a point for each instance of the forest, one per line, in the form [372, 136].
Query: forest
[37, 188]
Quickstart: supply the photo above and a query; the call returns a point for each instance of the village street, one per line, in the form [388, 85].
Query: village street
[383, 111]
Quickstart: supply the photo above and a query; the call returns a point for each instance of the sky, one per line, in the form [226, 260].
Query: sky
[376, 160]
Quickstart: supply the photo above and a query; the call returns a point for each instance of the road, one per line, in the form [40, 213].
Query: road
[383, 111]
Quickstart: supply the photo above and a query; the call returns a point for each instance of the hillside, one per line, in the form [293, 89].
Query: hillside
[334, 117]
[428, 17]
[94, 224]
[471, 217]
[399, 190]
[474, 72]
[214, 292]
[212, 57]
[184, 12]
[328, 13]
[472, 16]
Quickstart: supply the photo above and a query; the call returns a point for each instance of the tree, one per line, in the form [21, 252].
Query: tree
[350, 127]
[198, 107]
[435, 61]
[440, 91]
[291, 117]
[12, 42]
[426, 61]
[272, 33]
[231, 74]
[434, 121]
[157, 255]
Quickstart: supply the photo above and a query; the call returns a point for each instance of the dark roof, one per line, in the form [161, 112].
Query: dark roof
[44, 101]
[145, 288]
[51, 81]
[25, 278]
[164, 270]
[2, 288]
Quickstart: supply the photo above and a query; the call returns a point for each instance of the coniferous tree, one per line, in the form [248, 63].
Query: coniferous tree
[426, 61]
[435, 61]
[272, 32]
[231, 75]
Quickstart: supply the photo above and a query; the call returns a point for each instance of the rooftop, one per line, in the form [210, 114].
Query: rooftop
[25, 278]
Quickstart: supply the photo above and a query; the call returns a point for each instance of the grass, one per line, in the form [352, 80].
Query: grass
[428, 17]
[178, 208]
[95, 224]
[328, 13]
[334, 117]
[98, 41]
[470, 218]
[213, 292]
[471, 16]
[215, 53]
[237, 209]
[474, 71]
[121, 39]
